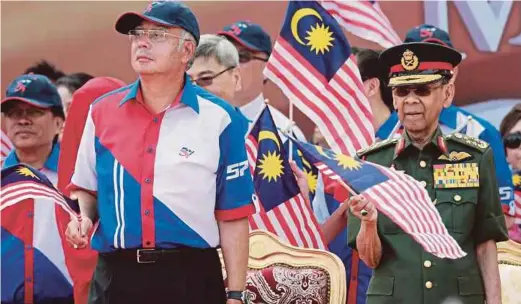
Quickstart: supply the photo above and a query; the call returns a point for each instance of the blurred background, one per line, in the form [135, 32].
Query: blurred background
[79, 36]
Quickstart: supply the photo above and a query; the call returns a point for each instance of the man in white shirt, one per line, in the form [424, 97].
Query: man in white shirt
[254, 47]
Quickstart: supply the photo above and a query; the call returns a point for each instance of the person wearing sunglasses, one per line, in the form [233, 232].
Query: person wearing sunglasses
[510, 129]
[215, 67]
[254, 47]
[457, 172]
[455, 119]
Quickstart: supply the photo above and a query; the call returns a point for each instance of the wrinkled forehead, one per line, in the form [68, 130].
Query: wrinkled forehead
[205, 65]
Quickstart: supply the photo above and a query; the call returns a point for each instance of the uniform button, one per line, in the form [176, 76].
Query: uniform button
[427, 264]
[29, 214]
[28, 279]
[156, 119]
[28, 247]
[457, 197]
[150, 150]
[147, 212]
[428, 284]
[147, 180]
[423, 183]
[147, 242]
[423, 164]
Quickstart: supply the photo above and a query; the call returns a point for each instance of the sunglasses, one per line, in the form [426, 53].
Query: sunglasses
[421, 90]
[245, 57]
[208, 80]
[512, 140]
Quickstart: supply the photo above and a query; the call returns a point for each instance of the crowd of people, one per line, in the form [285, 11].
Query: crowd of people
[157, 168]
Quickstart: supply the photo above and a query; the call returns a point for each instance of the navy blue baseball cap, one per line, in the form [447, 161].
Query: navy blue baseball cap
[166, 13]
[36, 90]
[428, 33]
[249, 35]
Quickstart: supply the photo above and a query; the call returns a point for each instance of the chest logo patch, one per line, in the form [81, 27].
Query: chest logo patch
[456, 176]
[185, 152]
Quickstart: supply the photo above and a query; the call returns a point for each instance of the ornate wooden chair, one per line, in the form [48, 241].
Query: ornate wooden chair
[284, 274]
[509, 260]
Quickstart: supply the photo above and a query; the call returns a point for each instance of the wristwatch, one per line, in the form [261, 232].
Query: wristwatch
[236, 295]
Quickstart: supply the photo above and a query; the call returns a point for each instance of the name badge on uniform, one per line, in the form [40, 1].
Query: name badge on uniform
[456, 175]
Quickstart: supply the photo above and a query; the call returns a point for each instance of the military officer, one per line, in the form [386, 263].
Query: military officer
[458, 173]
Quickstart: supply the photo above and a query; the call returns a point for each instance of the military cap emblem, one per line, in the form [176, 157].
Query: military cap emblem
[409, 60]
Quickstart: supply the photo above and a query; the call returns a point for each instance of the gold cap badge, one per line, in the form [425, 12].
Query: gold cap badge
[409, 60]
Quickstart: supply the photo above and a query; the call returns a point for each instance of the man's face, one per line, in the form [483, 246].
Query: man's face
[419, 106]
[251, 67]
[157, 50]
[30, 127]
[514, 154]
[220, 80]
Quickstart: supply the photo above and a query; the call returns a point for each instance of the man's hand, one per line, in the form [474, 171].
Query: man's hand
[302, 180]
[78, 231]
[357, 204]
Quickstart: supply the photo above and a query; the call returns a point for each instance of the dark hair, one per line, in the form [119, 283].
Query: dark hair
[510, 120]
[45, 68]
[369, 67]
[73, 81]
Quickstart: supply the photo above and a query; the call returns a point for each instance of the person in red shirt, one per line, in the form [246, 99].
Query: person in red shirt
[85, 259]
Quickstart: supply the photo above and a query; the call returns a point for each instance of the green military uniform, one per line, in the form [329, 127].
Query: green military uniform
[458, 173]
[470, 211]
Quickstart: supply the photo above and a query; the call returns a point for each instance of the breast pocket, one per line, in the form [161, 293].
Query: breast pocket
[457, 208]
[386, 225]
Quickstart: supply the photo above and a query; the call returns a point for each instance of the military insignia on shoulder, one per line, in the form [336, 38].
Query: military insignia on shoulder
[409, 60]
[470, 141]
[376, 146]
[455, 156]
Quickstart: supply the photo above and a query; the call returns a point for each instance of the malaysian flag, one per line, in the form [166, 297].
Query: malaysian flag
[395, 194]
[364, 19]
[281, 208]
[35, 257]
[312, 64]
[6, 147]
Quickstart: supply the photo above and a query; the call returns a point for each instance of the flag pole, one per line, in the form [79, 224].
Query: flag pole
[291, 122]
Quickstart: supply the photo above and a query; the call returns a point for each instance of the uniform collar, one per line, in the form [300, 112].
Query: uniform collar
[51, 163]
[405, 141]
[252, 108]
[189, 96]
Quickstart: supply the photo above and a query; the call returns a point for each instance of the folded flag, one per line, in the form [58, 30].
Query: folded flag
[394, 193]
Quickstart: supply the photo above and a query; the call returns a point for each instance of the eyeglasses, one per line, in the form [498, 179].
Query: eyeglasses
[421, 90]
[154, 36]
[208, 80]
[512, 140]
[17, 113]
[245, 57]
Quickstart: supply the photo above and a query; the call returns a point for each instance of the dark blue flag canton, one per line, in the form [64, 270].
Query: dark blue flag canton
[357, 174]
[23, 173]
[273, 179]
[317, 36]
[20, 173]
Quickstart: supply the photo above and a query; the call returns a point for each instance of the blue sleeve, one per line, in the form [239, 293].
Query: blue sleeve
[234, 181]
[503, 172]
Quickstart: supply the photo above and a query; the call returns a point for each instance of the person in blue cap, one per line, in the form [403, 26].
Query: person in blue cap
[162, 170]
[34, 116]
[254, 46]
[455, 119]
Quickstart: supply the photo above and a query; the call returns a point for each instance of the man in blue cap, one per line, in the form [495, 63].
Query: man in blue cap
[455, 119]
[254, 46]
[34, 116]
[162, 168]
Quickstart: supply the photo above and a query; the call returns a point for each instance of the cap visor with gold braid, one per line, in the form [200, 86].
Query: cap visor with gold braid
[418, 63]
